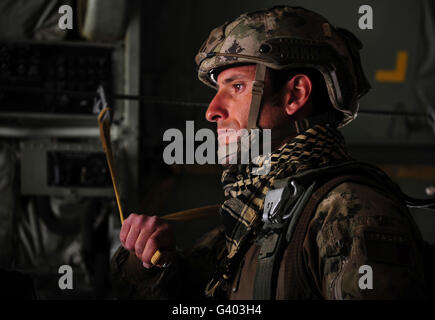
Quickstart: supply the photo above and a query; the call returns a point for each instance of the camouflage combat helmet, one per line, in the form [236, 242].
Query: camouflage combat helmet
[288, 37]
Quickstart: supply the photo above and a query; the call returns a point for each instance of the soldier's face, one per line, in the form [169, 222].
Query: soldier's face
[230, 106]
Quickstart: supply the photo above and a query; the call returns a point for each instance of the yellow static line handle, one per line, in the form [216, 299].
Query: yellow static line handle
[192, 214]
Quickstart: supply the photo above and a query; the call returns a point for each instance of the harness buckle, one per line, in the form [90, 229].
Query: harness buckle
[278, 201]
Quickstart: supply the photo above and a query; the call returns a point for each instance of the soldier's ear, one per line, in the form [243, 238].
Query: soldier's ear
[297, 91]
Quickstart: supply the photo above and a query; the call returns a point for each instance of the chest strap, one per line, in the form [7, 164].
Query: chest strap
[282, 209]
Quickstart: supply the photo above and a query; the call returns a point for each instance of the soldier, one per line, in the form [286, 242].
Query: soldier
[319, 225]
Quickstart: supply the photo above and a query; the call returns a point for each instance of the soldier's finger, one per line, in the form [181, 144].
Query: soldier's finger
[132, 237]
[125, 228]
[141, 242]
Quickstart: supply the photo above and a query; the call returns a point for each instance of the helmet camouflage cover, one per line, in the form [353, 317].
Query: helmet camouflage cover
[289, 37]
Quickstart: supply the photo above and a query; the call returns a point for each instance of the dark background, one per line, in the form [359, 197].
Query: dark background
[151, 47]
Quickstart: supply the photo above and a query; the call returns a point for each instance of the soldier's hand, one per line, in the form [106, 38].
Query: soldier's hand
[144, 235]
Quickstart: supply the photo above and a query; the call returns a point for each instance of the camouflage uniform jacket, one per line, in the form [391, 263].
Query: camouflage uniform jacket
[354, 225]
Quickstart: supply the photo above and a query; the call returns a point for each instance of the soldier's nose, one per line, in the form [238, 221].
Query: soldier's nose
[216, 110]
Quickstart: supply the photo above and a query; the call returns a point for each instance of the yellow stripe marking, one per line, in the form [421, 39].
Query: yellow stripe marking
[396, 75]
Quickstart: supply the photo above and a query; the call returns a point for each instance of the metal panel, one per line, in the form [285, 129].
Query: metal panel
[34, 169]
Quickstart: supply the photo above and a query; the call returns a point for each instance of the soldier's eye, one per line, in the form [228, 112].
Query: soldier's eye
[238, 87]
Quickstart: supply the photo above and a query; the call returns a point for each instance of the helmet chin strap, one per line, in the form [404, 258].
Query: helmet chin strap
[257, 96]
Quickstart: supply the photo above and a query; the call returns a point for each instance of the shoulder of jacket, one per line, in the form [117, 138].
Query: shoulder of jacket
[353, 197]
[352, 207]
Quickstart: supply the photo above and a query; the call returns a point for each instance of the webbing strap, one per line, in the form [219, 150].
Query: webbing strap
[257, 95]
[270, 246]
